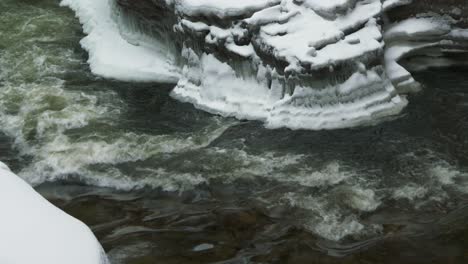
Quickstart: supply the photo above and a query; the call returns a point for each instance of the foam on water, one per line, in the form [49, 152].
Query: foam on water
[328, 220]
[410, 192]
[445, 174]
[61, 157]
[51, 123]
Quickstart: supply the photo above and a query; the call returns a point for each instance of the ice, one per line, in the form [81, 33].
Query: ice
[357, 101]
[411, 35]
[35, 231]
[112, 56]
[213, 86]
[397, 73]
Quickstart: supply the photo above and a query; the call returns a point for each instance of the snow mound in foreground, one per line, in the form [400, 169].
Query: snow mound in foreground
[35, 231]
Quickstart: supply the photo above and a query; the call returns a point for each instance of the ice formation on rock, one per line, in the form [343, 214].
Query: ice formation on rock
[425, 40]
[115, 54]
[302, 64]
[35, 231]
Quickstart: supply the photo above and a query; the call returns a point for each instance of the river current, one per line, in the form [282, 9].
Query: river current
[161, 182]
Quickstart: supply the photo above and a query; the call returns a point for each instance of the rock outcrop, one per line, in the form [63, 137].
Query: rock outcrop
[302, 64]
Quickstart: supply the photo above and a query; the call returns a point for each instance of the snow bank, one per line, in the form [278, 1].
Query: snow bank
[111, 55]
[34, 231]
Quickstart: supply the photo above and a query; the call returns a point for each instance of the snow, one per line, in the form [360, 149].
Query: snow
[112, 56]
[418, 27]
[34, 231]
[329, 5]
[221, 9]
[300, 29]
[389, 4]
[243, 51]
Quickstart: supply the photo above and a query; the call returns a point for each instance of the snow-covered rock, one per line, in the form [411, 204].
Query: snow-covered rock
[289, 63]
[32, 230]
[429, 37]
[115, 54]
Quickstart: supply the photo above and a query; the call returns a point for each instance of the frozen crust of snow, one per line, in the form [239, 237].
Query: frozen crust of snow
[111, 55]
[33, 230]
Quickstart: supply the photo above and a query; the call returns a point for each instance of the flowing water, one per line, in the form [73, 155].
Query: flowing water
[161, 182]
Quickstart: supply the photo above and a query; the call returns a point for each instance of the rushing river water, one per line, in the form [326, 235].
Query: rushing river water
[161, 182]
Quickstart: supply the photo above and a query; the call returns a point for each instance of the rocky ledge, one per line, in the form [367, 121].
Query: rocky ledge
[302, 64]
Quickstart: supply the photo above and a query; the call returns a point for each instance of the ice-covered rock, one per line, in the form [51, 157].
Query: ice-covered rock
[32, 230]
[117, 52]
[213, 86]
[297, 64]
[290, 63]
[416, 40]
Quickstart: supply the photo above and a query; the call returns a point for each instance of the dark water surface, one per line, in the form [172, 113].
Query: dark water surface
[161, 182]
[232, 223]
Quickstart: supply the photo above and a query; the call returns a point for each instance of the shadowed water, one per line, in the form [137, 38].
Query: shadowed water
[161, 182]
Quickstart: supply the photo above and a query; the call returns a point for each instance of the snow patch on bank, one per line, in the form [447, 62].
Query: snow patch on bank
[35, 231]
[111, 55]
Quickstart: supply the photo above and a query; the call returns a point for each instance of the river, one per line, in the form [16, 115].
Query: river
[161, 182]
